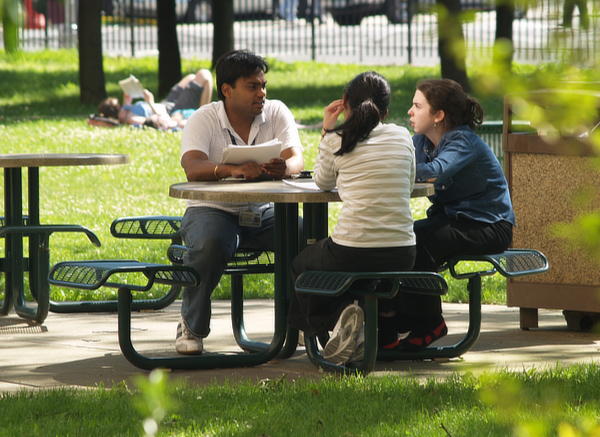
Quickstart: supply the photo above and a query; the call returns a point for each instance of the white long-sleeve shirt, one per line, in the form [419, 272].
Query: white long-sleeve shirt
[375, 181]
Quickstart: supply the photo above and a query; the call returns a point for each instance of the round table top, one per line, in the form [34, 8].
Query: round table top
[60, 159]
[231, 190]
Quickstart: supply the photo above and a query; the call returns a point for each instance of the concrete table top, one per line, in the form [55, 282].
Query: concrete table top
[60, 159]
[231, 190]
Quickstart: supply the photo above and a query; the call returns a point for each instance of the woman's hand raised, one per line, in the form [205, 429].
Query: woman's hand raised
[331, 113]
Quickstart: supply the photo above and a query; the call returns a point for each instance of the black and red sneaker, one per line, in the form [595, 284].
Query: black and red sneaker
[422, 336]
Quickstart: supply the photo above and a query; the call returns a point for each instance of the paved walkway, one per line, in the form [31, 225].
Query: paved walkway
[81, 350]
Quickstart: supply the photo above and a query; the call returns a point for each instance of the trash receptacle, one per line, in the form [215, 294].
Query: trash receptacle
[546, 172]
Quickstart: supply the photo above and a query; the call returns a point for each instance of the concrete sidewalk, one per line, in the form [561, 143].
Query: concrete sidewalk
[82, 350]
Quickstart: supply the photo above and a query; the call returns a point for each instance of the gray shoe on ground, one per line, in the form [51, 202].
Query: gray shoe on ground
[187, 343]
[340, 346]
[359, 347]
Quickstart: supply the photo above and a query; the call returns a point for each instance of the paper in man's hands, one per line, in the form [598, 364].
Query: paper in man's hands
[133, 87]
[259, 153]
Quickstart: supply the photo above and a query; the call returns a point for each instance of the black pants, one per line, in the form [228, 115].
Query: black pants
[440, 238]
[315, 315]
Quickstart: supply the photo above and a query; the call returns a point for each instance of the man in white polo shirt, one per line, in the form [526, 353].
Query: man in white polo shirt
[213, 231]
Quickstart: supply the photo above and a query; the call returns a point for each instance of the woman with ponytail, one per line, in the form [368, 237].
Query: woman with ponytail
[373, 166]
[471, 211]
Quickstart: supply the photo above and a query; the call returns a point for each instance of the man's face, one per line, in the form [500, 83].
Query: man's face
[247, 98]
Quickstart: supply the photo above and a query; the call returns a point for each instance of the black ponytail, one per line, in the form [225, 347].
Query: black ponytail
[358, 126]
[368, 97]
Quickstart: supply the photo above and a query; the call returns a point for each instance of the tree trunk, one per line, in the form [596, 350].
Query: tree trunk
[169, 58]
[223, 42]
[91, 71]
[451, 42]
[503, 45]
[9, 10]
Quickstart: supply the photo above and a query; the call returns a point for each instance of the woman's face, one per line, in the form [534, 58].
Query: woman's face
[421, 119]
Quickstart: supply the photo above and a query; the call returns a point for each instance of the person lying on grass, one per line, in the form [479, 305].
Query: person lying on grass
[192, 92]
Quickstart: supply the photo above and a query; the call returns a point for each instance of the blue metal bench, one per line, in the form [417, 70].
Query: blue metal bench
[37, 265]
[91, 275]
[511, 263]
[164, 227]
[147, 228]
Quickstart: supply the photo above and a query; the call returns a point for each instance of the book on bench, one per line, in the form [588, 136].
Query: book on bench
[133, 87]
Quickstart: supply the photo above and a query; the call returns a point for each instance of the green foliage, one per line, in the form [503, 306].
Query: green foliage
[9, 16]
[155, 401]
[565, 111]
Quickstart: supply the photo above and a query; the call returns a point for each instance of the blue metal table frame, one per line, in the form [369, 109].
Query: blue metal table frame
[16, 227]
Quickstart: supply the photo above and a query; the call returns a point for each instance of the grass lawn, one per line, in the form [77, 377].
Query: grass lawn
[557, 402]
[40, 112]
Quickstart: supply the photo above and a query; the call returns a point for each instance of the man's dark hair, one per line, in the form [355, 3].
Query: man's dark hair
[239, 63]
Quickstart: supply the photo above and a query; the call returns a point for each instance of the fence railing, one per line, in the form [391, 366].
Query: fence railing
[348, 31]
[491, 133]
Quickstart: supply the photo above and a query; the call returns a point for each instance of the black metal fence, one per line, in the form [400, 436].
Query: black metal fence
[342, 31]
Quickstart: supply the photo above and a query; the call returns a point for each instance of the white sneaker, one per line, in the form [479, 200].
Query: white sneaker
[359, 347]
[187, 343]
[340, 346]
[301, 338]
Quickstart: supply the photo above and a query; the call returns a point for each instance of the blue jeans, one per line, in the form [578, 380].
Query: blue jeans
[212, 237]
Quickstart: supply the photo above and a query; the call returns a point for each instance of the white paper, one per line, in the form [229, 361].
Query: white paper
[259, 153]
[133, 87]
[304, 184]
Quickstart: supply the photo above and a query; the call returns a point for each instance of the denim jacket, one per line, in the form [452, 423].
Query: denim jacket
[469, 178]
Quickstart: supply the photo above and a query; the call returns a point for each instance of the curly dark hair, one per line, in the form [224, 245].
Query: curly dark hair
[448, 96]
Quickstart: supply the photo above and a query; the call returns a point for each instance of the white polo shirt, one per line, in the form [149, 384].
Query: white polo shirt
[208, 130]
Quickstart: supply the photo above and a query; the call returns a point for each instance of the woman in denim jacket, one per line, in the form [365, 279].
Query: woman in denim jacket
[471, 211]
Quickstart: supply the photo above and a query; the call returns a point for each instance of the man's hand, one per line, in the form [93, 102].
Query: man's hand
[249, 171]
[276, 168]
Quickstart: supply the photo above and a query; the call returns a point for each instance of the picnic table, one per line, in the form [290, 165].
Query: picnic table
[15, 226]
[94, 274]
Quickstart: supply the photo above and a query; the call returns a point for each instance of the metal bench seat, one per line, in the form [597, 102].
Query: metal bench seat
[511, 263]
[168, 228]
[36, 264]
[372, 286]
[124, 275]
[148, 228]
